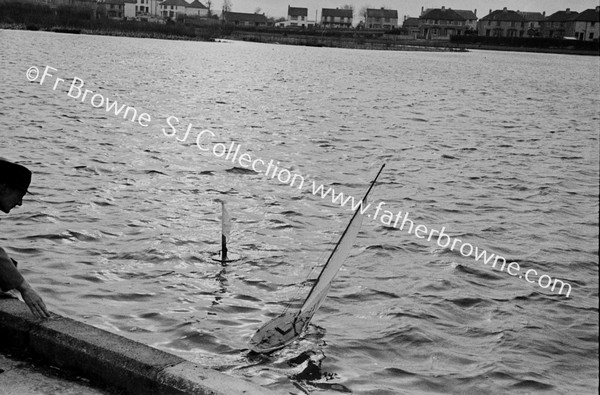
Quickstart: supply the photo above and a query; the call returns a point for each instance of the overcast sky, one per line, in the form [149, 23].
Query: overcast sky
[278, 8]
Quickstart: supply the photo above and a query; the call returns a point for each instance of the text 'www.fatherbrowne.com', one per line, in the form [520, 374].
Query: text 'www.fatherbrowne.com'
[233, 152]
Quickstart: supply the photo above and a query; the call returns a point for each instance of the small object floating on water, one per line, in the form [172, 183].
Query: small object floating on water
[287, 327]
[223, 255]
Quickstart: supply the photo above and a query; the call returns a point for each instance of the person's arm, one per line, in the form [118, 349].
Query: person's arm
[10, 278]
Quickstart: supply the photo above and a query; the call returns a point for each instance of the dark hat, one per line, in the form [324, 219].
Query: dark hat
[17, 176]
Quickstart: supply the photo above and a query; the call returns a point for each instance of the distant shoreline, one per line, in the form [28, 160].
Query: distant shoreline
[104, 32]
[302, 40]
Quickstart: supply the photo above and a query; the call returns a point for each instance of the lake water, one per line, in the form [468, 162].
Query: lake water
[498, 148]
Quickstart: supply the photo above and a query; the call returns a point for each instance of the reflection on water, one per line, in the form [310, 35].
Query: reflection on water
[500, 149]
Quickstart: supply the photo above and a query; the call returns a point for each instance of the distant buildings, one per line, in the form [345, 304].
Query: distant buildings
[412, 26]
[433, 23]
[586, 26]
[561, 24]
[298, 17]
[171, 9]
[114, 9]
[381, 19]
[336, 18]
[243, 19]
[502, 23]
[445, 22]
[145, 10]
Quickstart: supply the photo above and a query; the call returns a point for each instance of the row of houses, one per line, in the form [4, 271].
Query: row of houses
[143, 10]
[154, 10]
[340, 18]
[441, 23]
[433, 23]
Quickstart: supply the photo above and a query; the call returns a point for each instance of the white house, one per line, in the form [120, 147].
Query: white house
[172, 8]
[147, 8]
[129, 9]
[197, 9]
[298, 17]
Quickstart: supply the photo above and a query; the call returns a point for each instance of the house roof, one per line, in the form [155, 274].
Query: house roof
[297, 11]
[118, 2]
[241, 16]
[339, 12]
[381, 13]
[180, 3]
[411, 22]
[532, 16]
[197, 4]
[504, 16]
[467, 14]
[447, 14]
[589, 15]
[562, 16]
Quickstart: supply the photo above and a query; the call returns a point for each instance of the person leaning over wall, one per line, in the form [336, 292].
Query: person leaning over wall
[14, 182]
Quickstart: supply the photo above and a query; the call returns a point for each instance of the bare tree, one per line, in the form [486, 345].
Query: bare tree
[227, 5]
[257, 10]
[209, 6]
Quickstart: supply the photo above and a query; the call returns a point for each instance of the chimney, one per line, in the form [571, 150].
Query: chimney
[475, 12]
[490, 10]
[544, 14]
[504, 9]
[443, 8]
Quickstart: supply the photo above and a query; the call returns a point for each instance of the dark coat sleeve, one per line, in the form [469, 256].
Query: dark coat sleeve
[10, 278]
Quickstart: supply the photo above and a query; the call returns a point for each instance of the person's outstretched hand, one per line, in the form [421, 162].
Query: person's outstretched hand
[33, 300]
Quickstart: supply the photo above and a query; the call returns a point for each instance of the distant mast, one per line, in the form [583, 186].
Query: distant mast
[225, 230]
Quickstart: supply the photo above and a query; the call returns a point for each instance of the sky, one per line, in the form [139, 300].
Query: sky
[278, 8]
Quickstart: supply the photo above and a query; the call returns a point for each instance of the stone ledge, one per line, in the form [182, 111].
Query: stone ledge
[111, 359]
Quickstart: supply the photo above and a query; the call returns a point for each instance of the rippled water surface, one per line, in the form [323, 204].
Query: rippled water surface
[499, 149]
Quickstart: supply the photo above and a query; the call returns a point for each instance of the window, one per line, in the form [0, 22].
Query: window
[487, 32]
[294, 18]
[592, 36]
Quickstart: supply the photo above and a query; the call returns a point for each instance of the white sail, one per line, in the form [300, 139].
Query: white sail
[285, 328]
[336, 260]
[225, 221]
